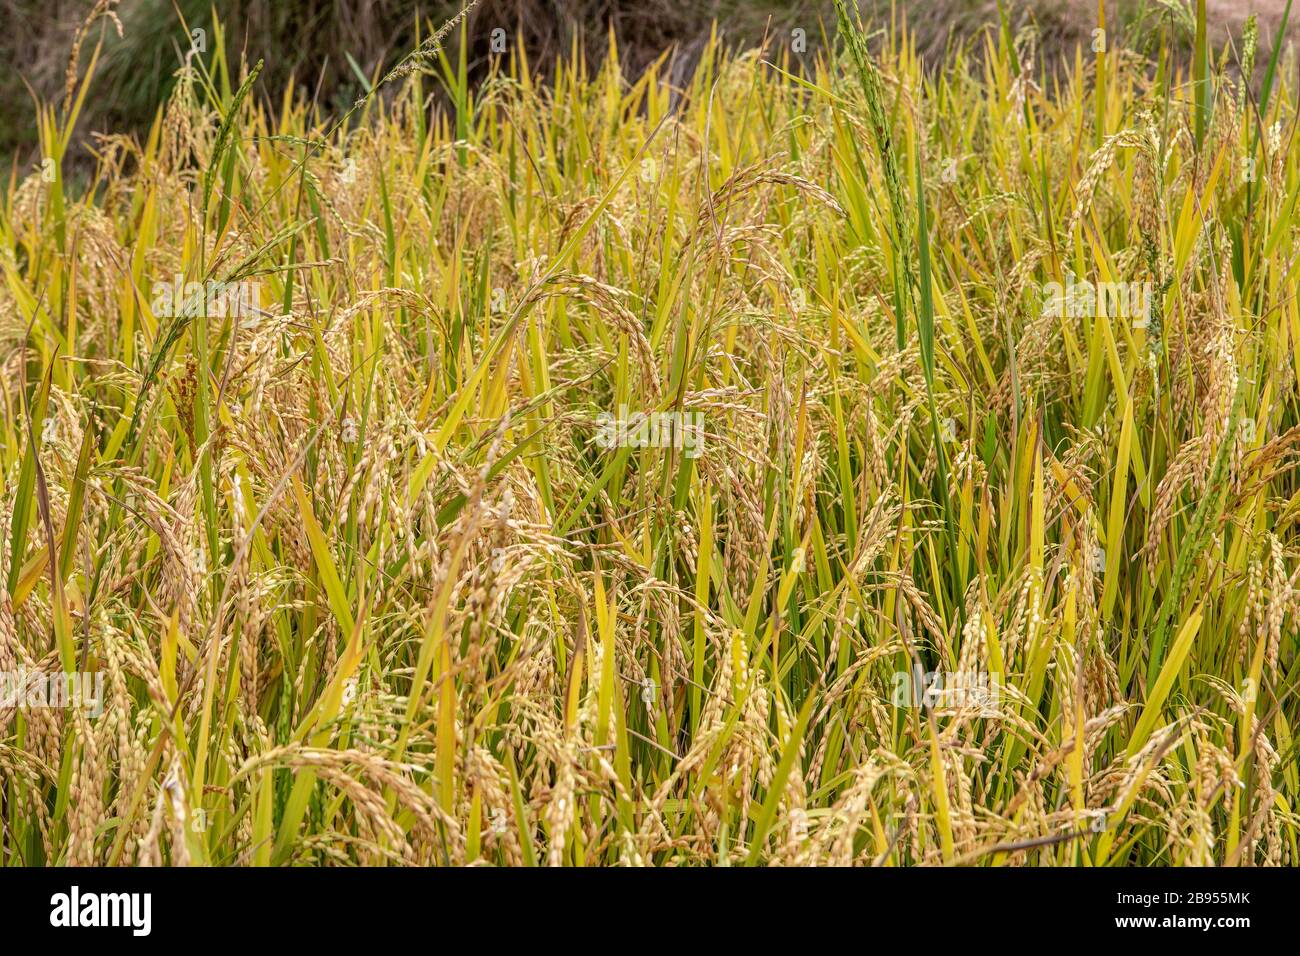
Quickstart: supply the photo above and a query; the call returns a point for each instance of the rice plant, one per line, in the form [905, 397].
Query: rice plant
[835, 459]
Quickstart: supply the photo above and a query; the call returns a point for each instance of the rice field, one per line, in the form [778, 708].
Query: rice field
[836, 460]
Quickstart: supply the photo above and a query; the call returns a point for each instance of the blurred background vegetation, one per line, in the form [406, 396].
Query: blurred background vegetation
[333, 46]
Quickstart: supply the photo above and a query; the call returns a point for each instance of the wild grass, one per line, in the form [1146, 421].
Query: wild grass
[366, 590]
